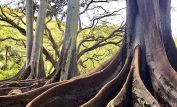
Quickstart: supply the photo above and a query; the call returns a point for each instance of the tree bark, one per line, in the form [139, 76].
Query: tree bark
[29, 30]
[67, 64]
[170, 47]
[37, 41]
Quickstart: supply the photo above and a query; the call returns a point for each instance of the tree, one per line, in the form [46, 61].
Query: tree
[37, 41]
[34, 65]
[67, 64]
[140, 74]
[29, 30]
[147, 77]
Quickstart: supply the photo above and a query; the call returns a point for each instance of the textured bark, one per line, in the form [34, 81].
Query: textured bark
[110, 89]
[164, 77]
[170, 47]
[23, 74]
[22, 99]
[140, 95]
[67, 64]
[34, 59]
[146, 79]
[123, 98]
[37, 41]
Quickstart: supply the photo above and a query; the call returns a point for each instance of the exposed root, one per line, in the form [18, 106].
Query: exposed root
[123, 98]
[140, 95]
[77, 91]
[113, 86]
[20, 100]
[23, 85]
[164, 77]
[134, 94]
[15, 92]
[110, 89]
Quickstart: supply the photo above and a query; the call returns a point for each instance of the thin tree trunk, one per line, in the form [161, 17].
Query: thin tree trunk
[37, 41]
[67, 64]
[29, 29]
[29, 39]
[41, 68]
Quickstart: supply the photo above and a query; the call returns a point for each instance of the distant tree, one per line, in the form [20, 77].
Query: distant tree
[67, 64]
[37, 41]
[34, 44]
[14, 17]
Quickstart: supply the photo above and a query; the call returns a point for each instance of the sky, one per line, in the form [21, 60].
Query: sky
[111, 7]
[115, 5]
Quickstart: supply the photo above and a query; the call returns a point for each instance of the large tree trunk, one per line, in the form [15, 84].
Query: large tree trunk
[170, 46]
[163, 76]
[67, 64]
[145, 79]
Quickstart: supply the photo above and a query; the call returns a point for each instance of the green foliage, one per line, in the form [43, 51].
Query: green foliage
[94, 58]
[10, 71]
[13, 52]
[175, 39]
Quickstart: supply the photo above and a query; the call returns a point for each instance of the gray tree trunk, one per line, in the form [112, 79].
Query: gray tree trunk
[69, 47]
[67, 65]
[29, 29]
[37, 41]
